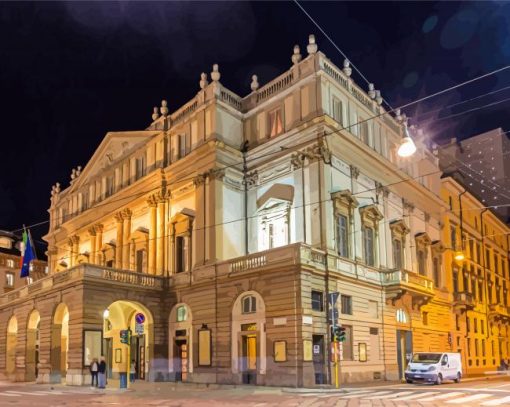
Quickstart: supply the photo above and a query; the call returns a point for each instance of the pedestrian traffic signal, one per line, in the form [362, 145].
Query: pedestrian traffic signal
[338, 334]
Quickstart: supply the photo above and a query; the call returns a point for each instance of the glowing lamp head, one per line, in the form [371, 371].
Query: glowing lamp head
[106, 313]
[407, 147]
[459, 256]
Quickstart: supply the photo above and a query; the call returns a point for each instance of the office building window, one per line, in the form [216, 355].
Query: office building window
[346, 301]
[317, 301]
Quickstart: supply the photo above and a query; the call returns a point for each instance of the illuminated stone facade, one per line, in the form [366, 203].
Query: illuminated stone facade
[225, 224]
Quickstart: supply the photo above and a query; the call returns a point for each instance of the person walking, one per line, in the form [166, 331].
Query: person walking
[102, 373]
[94, 367]
[132, 371]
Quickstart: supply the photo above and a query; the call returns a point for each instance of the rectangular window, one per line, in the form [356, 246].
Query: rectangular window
[140, 167]
[109, 186]
[453, 236]
[346, 304]
[455, 281]
[425, 318]
[397, 253]
[9, 279]
[437, 271]
[348, 344]
[342, 236]
[140, 261]
[181, 145]
[421, 262]
[270, 232]
[471, 249]
[337, 110]
[317, 301]
[10, 263]
[364, 131]
[475, 325]
[479, 253]
[275, 122]
[457, 323]
[368, 238]
[476, 347]
[487, 258]
[181, 254]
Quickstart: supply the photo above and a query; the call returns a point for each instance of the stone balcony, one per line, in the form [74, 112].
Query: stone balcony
[499, 312]
[86, 272]
[400, 282]
[463, 302]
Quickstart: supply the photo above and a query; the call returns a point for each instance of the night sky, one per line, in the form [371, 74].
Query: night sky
[70, 72]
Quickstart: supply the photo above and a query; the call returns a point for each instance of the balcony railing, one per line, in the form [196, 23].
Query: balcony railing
[463, 301]
[499, 311]
[86, 271]
[409, 281]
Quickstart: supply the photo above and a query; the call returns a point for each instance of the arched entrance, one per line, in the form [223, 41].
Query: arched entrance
[12, 332]
[123, 315]
[249, 337]
[59, 343]
[180, 342]
[32, 357]
[404, 340]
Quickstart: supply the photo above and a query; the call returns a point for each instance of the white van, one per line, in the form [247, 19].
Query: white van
[434, 367]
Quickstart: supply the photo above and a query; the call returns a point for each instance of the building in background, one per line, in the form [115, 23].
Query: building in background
[484, 161]
[480, 282]
[218, 233]
[10, 264]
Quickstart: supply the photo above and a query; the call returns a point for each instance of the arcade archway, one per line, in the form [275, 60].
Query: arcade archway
[32, 356]
[12, 332]
[59, 343]
[120, 316]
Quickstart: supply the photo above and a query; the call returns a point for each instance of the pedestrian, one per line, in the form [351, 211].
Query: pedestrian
[132, 371]
[94, 367]
[102, 373]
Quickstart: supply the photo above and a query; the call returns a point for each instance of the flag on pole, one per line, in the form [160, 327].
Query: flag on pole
[28, 254]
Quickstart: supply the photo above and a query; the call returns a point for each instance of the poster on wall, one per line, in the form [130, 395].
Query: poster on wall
[362, 350]
[307, 350]
[204, 347]
[92, 346]
[280, 351]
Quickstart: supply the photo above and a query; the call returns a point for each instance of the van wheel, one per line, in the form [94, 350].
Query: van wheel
[459, 376]
[439, 379]
[409, 381]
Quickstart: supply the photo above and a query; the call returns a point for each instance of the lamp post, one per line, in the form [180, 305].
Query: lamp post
[407, 147]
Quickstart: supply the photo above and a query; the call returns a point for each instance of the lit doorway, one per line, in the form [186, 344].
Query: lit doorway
[12, 333]
[404, 350]
[59, 343]
[32, 357]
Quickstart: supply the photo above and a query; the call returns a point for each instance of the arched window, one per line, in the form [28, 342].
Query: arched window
[182, 314]
[249, 304]
[401, 316]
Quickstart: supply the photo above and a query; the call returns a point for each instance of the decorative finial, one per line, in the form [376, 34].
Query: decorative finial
[312, 46]
[164, 108]
[155, 114]
[215, 74]
[203, 80]
[296, 56]
[254, 83]
[378, 97]
[398, 115]
[371, 91]
[347, 67]
[78, 171]
[73, 173]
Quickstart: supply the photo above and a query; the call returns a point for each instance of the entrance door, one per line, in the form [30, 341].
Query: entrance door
[318, 358]
[404, 350]
[181, 360]
[249, 358]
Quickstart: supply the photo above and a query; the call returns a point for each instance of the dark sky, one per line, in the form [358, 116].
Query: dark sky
[70, 72]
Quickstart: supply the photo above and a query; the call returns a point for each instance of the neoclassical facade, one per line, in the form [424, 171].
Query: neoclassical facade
[217, 234]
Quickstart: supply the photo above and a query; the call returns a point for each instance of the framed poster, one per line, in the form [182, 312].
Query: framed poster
[204, 347]
[280, 351]
[118, 355]
[362, 352]
[307, 350]
[92, 345]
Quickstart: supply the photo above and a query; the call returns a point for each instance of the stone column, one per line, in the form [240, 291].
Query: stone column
[161, 225]
[76, 249]
[152, 234]
[127, 233]
[93, 248]
[45, 325]
[99, 243]
[199, 223]
[70, 256]
[119, 241]
[30, 357]
[55, 353]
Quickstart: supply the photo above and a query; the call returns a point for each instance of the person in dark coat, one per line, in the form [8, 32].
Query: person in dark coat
[102, 373]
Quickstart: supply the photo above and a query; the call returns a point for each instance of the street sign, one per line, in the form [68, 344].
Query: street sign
[139, 318]
[139, 329]
[333, 297]
[125, 336]
[333, 315]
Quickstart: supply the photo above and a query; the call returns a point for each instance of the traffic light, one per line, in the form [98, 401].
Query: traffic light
[338, 334]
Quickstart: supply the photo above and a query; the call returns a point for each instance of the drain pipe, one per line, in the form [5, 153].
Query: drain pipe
[244, 151]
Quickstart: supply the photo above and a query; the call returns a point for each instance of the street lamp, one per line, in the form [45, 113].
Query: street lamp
[459, 256]
[106, 313]
[407, 147]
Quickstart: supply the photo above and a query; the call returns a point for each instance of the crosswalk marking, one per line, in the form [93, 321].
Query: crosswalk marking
[10, 395]
[443, 396]
[497, 402]
[24, 393]
[418, 395]
[387, 396]
[469, 398]
[377, 393]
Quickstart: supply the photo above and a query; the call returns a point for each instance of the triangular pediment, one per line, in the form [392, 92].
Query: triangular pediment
[115, 147]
